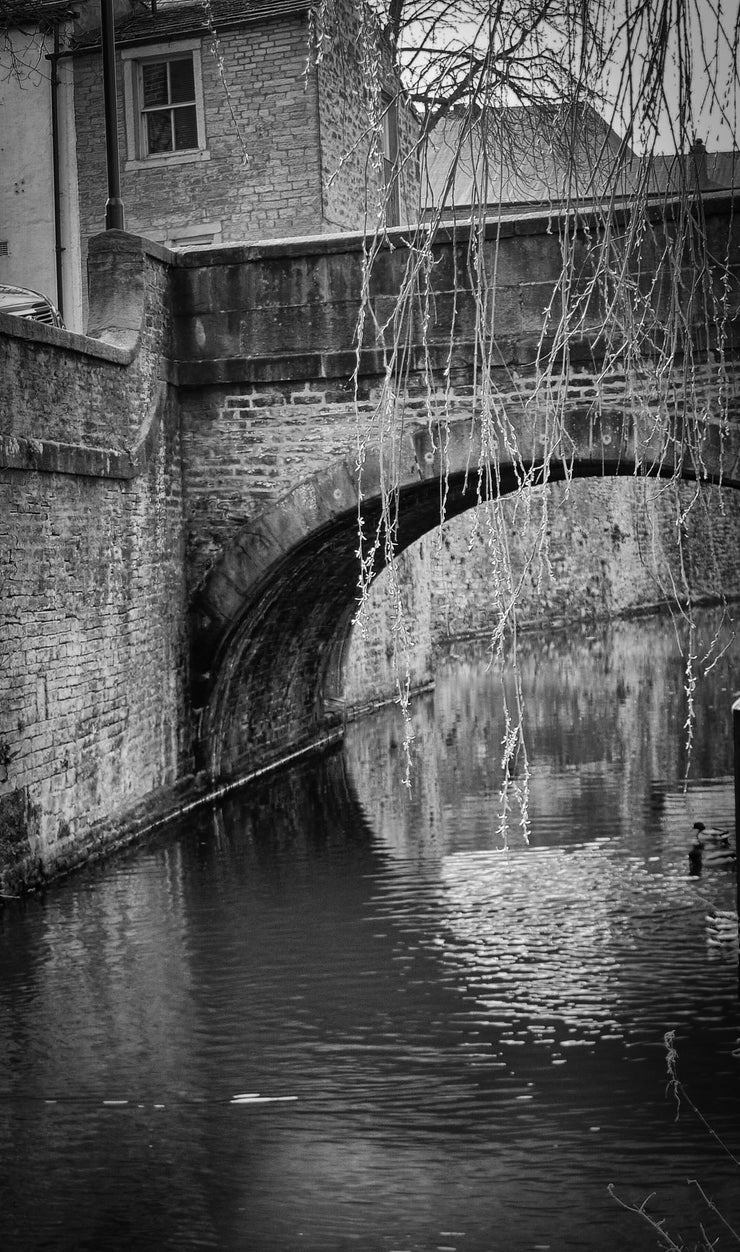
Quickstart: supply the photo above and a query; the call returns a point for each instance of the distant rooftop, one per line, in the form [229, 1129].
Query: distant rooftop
[717, 171]
[518, 157]
[34, 12]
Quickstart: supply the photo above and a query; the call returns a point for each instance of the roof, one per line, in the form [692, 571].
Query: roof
[20, 13]
[550, 154]
[174, 20]
[520, 156]
[723, 169]
[715, 171]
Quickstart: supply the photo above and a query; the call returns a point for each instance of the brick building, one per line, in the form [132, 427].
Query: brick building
[230, 130]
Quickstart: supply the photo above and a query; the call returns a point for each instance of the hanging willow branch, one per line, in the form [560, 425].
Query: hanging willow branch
[593, 110]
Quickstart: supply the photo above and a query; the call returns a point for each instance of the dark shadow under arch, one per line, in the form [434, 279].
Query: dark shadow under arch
[271, 622]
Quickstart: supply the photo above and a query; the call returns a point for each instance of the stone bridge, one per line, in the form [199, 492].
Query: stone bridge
[183, 493]
[266, 353]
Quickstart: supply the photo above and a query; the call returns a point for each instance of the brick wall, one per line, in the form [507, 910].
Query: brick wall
[612, 551]
[91, 680]
[93, 656]
[244, 450]
[387, 651]
[612, 548]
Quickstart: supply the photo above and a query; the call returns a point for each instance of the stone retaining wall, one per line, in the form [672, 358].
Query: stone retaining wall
[612, 552]
[94, 716]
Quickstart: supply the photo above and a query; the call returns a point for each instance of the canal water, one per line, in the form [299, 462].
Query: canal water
[331, 1014]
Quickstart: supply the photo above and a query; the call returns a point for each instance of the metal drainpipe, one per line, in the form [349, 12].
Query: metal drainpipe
[736, 754]
[58, 246]
[114, 204]
[322, 194]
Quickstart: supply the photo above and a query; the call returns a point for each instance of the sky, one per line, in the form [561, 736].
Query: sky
[704, 56]
[698, 36]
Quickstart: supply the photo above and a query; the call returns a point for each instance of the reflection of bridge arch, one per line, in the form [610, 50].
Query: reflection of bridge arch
[271, 621]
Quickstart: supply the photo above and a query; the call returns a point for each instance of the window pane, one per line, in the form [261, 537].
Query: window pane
[154, 82]
[186, 127]
[182, 83]
[159, 132]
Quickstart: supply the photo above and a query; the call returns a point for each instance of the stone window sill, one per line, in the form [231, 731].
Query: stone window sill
[168, 158]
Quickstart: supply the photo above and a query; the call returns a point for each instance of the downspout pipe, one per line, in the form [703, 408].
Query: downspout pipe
[114, 219]
[736, 770]
[57, 191]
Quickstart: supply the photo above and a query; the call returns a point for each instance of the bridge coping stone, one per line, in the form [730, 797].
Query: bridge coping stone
[526, 222]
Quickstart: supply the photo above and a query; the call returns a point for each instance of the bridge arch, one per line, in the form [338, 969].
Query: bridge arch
[271, 621]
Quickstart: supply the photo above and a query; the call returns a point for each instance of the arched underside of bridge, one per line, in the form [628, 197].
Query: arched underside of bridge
[271, 623]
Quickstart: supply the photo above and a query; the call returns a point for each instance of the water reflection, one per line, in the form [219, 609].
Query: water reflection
[453, 1046]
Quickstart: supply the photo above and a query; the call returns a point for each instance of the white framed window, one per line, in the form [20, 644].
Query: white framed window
[163, 91]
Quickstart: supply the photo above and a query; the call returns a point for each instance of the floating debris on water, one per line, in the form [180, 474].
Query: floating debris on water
[258, 1099]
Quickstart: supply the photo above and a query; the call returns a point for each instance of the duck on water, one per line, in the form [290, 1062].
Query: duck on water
[711, 847]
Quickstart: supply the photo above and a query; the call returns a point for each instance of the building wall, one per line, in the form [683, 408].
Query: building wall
[276, 193]
[27, 235]
[352, 179]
